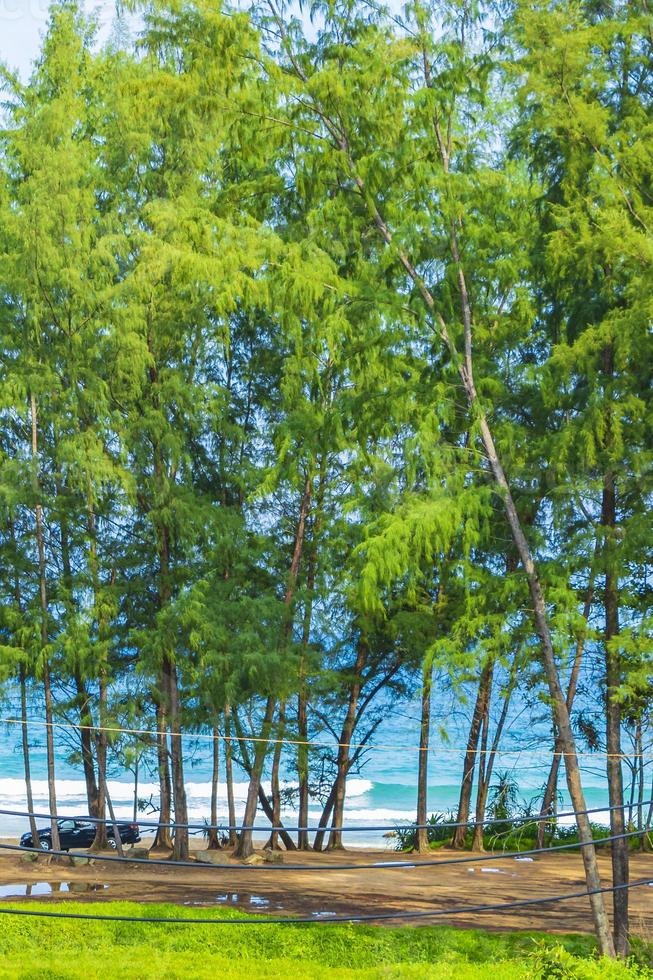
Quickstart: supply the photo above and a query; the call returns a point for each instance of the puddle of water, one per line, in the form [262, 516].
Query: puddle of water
[238, 899]
[242, 898]
[18, 890]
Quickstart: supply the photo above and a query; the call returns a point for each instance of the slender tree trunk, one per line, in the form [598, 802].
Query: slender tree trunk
[471, 754]
[245, 846]
[639, 749]
[335, 837]
[101, 839]
[214, 839]
[327, 810]
[275, 792]
[550, 790]
[229, 775]
[114, 824]
[181, 845]
[490, 757]
[421, 837]
[136, 774]
[465, 370]
[302, 763]
[43, 598]
[464, 367]
[266, 806]
[36, 842]
[163, 838]
[86, 742]
[483, 778]
[22, 678]
[303, 750]
[85, 716]
[619, 848]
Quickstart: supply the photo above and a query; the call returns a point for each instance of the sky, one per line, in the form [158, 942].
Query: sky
[22, 23]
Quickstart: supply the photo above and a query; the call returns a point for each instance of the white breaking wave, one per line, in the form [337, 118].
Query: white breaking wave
[12, 790]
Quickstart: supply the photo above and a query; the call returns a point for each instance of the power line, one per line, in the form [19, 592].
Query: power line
[302, 920]
[451, 824]
[316, 743]
[378, 865]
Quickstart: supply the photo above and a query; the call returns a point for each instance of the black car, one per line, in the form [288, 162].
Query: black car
[80, 833]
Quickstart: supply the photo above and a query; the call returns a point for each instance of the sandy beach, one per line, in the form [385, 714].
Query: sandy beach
[326, 891]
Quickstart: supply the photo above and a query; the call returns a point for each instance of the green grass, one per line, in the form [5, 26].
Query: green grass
[56, 949]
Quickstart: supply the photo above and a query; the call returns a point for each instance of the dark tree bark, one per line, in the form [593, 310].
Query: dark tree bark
[229, 776]
[275, 792]
[338, 134]
[43, 599]
[548, 800]
[163, 838]
[483, 783]
[266, 806]
[36, 842]
[181, 844]
[471, 754]
[490, 757]
[613, 678]
[101, 839]
[24, 727]
[214, 838]
[245, 846]
[421, 836]
[335, 837]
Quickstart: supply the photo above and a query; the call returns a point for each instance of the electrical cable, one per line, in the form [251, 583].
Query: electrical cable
[376, 866]
[364, 917]
[452, 825]
[318, 744]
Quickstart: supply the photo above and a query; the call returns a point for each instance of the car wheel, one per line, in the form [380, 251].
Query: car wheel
[45, 844]
[112, 844]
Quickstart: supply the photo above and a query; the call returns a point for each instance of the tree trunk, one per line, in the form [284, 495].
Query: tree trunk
[24, 728]
[464, 367]
[247, 765]
[136, 766]
[114, 824]
[639, 749]
[302, 695]
[421, 837]
[214, 838]
[100, 841]
[335, 837]
[36, 842]
[551, 788]
[619, 848]
[163, 837]
[490, 758]
[181, 846]
[469, 764]
[275, 792]
[245, 846]
[86, 741]
[324, 819]
[231, 806]
[43, 598]
[483, 778]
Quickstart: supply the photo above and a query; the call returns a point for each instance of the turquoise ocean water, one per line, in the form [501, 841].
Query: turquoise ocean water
[381, 793]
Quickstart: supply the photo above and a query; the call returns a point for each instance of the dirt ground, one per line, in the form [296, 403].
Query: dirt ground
[270, 889]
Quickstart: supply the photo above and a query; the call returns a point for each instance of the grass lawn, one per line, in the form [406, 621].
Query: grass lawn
[80, 950]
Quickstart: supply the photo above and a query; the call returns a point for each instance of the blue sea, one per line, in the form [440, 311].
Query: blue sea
[381, 793]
